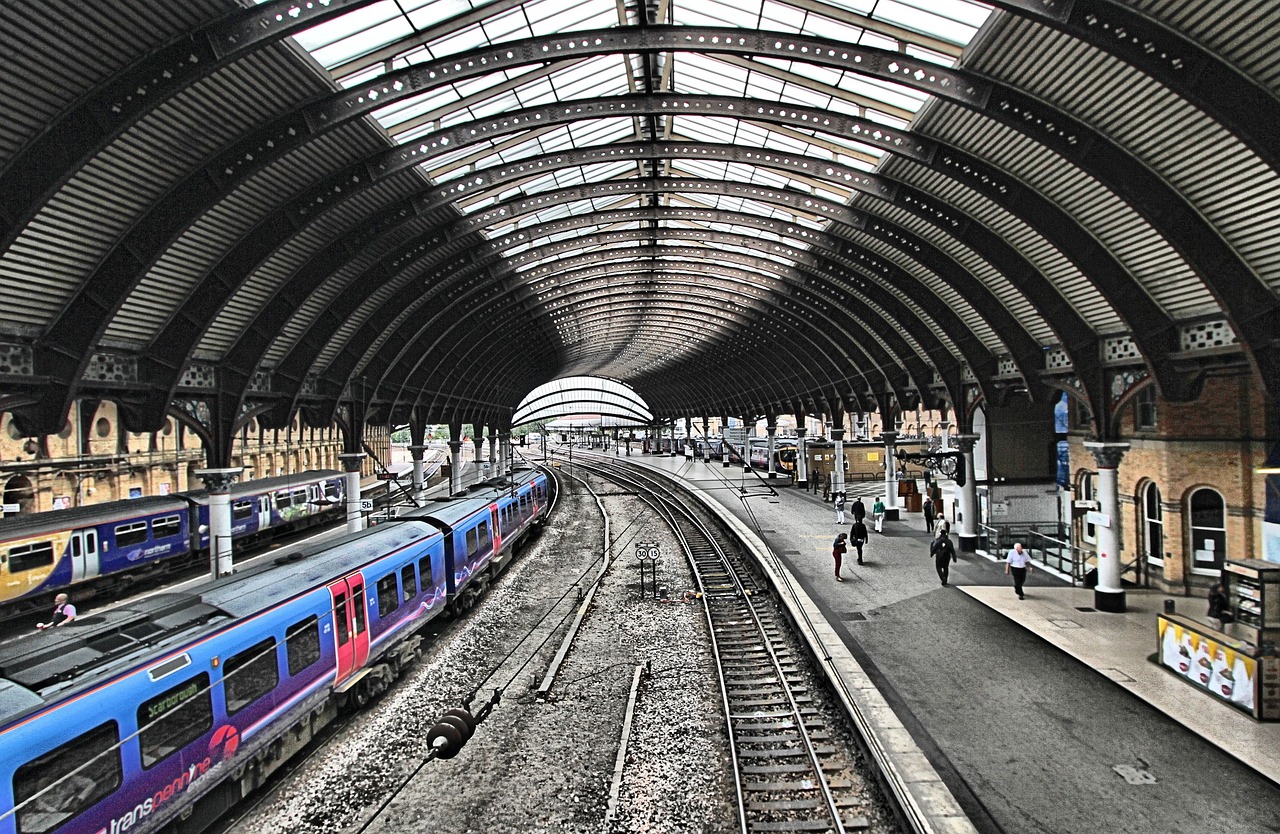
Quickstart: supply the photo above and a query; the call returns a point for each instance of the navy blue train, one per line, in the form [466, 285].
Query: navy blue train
[163, 714]
[91, 547]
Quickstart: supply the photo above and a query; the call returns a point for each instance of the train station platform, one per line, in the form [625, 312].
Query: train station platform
[1039, 715]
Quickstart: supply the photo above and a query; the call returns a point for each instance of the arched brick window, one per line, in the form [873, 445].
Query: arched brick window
[1152, 521]
[1208, 514]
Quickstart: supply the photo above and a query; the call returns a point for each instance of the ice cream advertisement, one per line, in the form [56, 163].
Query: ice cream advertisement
[1207, 664]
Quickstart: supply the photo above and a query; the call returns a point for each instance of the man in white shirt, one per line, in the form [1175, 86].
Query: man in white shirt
[1017, 563]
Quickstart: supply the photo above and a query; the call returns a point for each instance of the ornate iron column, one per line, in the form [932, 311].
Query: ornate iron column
[968, 497]
[1109, 595]
[455, 466]
[418, 468]
[890, 439]
[802, 455]
[219, 482]
[772, 431]
[837, 466]
[495, 461]
[351, 464]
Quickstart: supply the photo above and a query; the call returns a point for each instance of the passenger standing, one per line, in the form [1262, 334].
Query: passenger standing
[839, 508]
[929, 515]
[877, 514]
[1018, 563]
[64, 613]
[826, 487]
[858, 535]
[838, 549]
[944, 553]
[859, 509]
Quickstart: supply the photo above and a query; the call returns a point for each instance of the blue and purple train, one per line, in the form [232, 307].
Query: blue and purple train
[163, 714]
[92, 547]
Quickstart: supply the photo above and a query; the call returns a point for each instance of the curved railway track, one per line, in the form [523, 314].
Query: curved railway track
[787, 774]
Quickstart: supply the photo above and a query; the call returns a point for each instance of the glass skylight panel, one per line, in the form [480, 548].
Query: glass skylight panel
[510, 25]
[352, 23]
[464, 40]
[601, 131]
[362, 41]
[946, 19]
[550, 17]
[708, 78]
[743, 14]
[780, 17]
[595, 78]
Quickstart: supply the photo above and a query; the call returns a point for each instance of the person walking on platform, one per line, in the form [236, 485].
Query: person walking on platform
[944, 553]
[929, 515]
[1017, 563]
[839, 508]
[877, 514]
[858, 535]
[858, 509]
[838, 549]
[826, 487]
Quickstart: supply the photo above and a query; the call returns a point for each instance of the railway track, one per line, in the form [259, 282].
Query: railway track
[788, 774]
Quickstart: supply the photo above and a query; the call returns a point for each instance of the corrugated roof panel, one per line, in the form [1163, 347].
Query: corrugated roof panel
[57, 51]
[947, 293]
[1105, 216]
[279, 269]
[1242, 31]
[1075, 287]
[1238, 192]
[202, 246]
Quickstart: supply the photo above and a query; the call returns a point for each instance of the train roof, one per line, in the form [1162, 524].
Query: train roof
[259, 485]
[21, 526]
[99, 645]
[449, 511]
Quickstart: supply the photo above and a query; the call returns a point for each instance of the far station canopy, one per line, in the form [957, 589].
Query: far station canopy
[584, 402]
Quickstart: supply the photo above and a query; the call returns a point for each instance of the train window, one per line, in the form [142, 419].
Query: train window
[248, 676]
[283, 501]
[242, 509]
[302, 644]
[67, 780]
[408, 586]
[299, 497]
[357, 596]
[174, 719]
[30, 556]
[127, 534]
[170, 525]
[340, 618]
[388, 595]
[331, 490]
[424, 573]
[484, 535]
[473, 543]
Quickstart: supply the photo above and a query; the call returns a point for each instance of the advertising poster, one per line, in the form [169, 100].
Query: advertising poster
[1212, 666]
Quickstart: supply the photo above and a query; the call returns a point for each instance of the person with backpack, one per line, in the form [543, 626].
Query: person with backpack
[944, 553]
[858, 536]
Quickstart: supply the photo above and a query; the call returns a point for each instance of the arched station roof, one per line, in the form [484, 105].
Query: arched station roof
[427, 209]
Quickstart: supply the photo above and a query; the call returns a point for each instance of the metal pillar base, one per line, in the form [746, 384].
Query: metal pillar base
[968, 544]
[1111, 602]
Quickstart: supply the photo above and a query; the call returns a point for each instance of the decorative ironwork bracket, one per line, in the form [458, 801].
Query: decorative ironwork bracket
[949, 464]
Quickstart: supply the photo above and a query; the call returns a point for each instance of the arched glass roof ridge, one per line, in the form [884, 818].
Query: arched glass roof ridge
[582, 395]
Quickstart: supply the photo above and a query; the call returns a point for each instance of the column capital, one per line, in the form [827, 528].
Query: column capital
[417, 451]
[352, 461]
[801, 431]
[455, 446]
[966, 442]
[1107, 455]
[219, 481]
[837, 435]
[890, 438]
[771, 429]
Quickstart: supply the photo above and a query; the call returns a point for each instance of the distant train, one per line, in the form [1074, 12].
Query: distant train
[164, 714]
[97, 546]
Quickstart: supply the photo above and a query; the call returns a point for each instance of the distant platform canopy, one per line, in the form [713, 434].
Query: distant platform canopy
[584, 401]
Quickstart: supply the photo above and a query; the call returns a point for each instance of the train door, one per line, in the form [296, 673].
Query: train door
[351, 635]
[264, 512]
[84, 554]
[496, 528]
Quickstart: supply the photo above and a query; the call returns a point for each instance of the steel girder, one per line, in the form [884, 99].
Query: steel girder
[1126, 296]
[807, 276]
[1254, 321]
[518, 207]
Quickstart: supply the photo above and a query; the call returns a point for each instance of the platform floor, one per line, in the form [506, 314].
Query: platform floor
[1041, 717]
